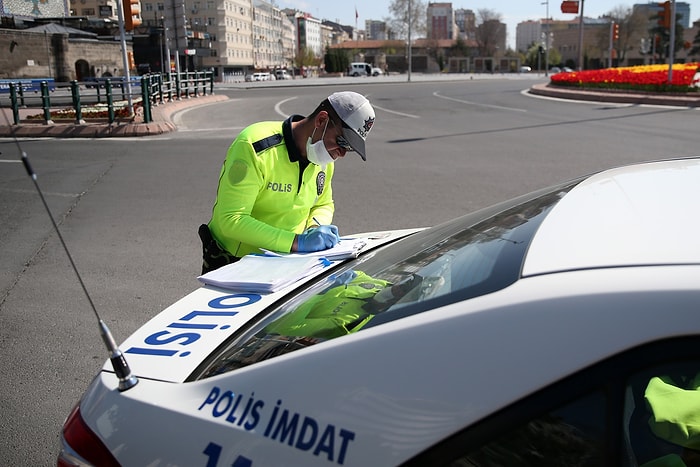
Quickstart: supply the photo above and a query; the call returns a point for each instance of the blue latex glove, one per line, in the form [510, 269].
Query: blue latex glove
[318, 238]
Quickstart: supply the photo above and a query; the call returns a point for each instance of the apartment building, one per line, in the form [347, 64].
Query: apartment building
[441, 21]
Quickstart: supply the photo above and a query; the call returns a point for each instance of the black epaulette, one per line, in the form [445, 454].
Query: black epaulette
[268, 142]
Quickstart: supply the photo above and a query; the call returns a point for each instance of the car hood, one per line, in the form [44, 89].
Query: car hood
[172, 344]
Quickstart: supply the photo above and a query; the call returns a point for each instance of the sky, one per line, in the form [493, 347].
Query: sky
[512, 11]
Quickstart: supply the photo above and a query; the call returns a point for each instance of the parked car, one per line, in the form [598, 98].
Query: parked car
[525, 69]
[554, 70]
[546, 330]
[377, 71]
[359, 69]
[282, 74]
[261, 76]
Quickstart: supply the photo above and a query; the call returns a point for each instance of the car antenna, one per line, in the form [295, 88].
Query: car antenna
[126, 379]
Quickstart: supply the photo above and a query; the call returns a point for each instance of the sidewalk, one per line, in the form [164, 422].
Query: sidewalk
[161, 116]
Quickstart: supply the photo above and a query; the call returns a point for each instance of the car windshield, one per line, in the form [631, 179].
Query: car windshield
[470, 256]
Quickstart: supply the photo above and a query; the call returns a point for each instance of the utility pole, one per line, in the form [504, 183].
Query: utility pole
[580, 39]
[125, 60]
[672, 45]
[410, 52]
[610, 43]
[546, 39]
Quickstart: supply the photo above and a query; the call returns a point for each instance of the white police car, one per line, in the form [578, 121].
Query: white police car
[542, 331]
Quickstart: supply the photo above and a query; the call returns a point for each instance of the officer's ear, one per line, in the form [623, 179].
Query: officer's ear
[321, 119]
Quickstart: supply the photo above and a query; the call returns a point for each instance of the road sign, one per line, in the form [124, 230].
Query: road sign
[569, 6]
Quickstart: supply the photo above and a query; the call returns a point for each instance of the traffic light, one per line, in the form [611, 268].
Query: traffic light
[616, 31]
[665, 15]
[132, 14]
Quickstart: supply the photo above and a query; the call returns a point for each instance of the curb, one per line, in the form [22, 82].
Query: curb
[616, 97]
[162, 123]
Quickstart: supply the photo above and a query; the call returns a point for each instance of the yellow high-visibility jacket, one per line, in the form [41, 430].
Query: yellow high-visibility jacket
[267, 192]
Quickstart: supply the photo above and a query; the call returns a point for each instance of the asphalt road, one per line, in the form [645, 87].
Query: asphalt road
[129, 209]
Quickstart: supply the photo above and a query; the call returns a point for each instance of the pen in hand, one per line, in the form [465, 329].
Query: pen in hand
[319, 224]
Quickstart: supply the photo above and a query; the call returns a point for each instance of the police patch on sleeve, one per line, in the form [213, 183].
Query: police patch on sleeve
[237, 171]
[320, 182]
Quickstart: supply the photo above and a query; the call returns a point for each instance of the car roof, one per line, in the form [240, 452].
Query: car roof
[644, 214]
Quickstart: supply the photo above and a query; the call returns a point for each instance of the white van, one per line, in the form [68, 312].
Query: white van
[359, 69]
[282, 74]
[261, 76]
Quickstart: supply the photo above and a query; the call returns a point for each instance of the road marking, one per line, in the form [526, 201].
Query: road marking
[436, 94]
[9, 161]
[278, 106]
[176, 118]
[47, 193]
[395, 112]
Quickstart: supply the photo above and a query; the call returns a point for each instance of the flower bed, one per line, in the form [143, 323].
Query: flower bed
[92, 112]
[651, 78]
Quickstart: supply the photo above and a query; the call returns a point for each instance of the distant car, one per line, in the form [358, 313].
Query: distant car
[525, 69]
[282, 74]
[566, 69]
[261, 76]
[559, 328]
[377, 71]
[555, 69]
[359, 69]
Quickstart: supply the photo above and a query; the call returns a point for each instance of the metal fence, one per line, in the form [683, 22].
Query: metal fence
[111, 98]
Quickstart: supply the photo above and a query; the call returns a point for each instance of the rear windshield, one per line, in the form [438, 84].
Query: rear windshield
[470, 256]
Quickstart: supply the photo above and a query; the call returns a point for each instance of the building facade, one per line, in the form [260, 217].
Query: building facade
[527, 33]
[376, 30]
[441, 21]
[466, 23]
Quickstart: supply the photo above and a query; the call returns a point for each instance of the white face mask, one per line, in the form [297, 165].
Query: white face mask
[316, 152]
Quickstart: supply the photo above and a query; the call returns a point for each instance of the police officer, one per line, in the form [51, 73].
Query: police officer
[275, 185]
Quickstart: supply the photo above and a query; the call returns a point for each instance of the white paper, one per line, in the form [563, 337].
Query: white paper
[344, 249]
[262, 274]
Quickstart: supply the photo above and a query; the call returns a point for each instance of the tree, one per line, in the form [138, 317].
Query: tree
[460, 48]
[399, 17]
[307, 58]
[336, 61]
[696, 45]
[488, 31]
[538, 63]
[632, 24]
